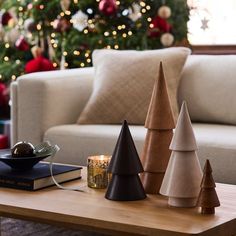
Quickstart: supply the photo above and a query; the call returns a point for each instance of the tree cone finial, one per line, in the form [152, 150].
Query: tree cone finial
[184, 139]
[160, 115]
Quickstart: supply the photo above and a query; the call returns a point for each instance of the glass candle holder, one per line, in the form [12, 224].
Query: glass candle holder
[97, 176]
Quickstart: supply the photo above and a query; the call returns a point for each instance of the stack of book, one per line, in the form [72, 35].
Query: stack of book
[38, 177]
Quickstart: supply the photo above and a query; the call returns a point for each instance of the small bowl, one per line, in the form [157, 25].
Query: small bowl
[21, 163]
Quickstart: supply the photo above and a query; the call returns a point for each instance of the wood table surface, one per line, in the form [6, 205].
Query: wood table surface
[89, 210]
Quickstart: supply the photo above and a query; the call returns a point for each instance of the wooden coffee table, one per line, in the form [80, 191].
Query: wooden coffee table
[91, 211]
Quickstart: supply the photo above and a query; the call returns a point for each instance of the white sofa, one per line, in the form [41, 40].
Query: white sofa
[46, 106]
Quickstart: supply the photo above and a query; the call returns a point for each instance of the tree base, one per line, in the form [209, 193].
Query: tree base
[208, 210]
[125, 188]
[182, 202]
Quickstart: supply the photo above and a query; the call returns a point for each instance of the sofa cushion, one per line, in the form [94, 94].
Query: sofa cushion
[216, 143]
[208, 85]
[124, 81]
[77, 142]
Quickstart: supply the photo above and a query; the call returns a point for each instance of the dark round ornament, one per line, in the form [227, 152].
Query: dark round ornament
[5, 17]
[61, 25]
[30, 25]
[23, 149]
[22, 44]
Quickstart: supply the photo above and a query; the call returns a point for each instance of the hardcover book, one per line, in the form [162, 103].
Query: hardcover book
[38, 177]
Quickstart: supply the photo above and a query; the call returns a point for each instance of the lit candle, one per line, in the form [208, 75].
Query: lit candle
[97, 171]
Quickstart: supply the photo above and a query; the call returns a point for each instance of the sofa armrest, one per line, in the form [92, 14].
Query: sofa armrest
[45, 99]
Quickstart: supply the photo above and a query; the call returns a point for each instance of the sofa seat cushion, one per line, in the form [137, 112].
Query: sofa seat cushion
[77, 142]
[216, 143]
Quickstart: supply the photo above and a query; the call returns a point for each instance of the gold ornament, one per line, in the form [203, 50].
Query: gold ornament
[65, 4]
[11, 23]
[164, 12]
[167, 39]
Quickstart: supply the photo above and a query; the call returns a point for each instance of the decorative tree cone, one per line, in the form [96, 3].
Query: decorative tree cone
[208, 198]
[160, 115]
[152, 181]
[182, 179]
[183, 175]
[125, 159]
[155, 148]
[159, 123]
[184, 139]
[125, 188]
[125, 166]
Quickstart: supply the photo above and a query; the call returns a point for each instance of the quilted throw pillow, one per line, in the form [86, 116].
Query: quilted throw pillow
[124, 82]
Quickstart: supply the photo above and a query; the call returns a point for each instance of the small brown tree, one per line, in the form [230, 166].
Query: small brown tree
[208, 198]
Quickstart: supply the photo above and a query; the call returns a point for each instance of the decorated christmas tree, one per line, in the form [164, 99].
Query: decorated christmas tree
[40, 35]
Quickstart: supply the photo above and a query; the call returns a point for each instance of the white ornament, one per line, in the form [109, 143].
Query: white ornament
[164, 12]
[79, 20]
[12, 35]
[167, 39]
[134, 12]
[204, 23]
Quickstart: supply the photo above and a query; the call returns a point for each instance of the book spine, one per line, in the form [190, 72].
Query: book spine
[16, 184]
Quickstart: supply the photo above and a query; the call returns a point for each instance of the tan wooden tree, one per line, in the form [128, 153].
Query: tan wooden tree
[160, 124]
[208, 198]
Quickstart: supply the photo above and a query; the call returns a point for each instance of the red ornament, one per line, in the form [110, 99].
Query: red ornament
[39, 64]
[108, 7]
[3, 94]
[158, 26]
[5, 17]
[22, 44]
[61, 25]
[3, 141]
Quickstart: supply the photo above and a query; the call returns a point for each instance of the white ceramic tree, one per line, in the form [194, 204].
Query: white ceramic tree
[183, 176]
